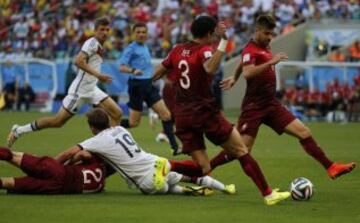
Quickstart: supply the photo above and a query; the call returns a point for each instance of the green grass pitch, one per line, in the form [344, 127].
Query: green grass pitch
[281, 159]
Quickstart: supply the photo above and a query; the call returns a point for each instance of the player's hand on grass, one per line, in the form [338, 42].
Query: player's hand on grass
[221, 30]
[278, 57]
[227, 83]
[105, 79]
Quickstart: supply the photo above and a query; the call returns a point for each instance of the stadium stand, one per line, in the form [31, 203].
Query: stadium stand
[55, 30]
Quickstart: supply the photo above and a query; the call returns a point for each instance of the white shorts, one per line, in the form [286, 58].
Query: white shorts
[147, 185]
[73, 102]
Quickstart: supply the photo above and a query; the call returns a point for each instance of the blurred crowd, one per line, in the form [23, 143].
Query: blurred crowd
[351, 53]
[339, 101]
[56, 29]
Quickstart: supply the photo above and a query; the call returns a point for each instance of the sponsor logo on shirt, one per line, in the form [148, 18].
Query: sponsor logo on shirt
[246, 58]
[185, 53]
[207, 54]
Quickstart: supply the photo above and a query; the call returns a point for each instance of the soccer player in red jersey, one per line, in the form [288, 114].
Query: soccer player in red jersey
[46, 175]
[196, 114]
[260, 105]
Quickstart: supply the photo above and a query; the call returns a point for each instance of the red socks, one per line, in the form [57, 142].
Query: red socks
[312, 148]
[186, 167]
[252, 169]
[222, 158]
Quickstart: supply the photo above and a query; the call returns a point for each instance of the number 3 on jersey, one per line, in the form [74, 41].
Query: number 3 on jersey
[184, 79]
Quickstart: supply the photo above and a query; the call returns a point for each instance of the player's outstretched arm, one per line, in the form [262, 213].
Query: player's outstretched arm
[229, 82]
[160, 71]
[250, 71]
[82, 155]
[80, 62]
[67, 154]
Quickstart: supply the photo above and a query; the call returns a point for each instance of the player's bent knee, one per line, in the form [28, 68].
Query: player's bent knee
[165, 116]
[304, 133]
[239, 152]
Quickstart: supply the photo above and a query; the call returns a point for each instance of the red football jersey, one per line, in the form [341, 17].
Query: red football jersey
[260, 89]
[94, 173]
[192, 84]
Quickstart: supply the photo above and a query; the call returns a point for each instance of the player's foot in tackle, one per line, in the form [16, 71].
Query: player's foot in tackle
[198, 190]
[276, 197]
[230, 189]
[338, 169]
[161, 171]
[13, 136]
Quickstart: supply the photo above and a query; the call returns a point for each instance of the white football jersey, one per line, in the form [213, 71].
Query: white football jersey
[116, 146]
[84, 82]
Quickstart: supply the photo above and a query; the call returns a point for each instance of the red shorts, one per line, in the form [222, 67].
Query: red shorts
[45, 176]
[191, 129]
[275, 116]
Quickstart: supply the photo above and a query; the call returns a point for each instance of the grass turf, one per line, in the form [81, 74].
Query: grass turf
[281, 159]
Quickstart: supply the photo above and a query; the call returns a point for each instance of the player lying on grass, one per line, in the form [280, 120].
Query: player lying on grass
[45, 175]
[84, 172]
[145, 171]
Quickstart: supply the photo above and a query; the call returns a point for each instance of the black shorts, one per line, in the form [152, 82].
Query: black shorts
[10, 88]
[140, 91]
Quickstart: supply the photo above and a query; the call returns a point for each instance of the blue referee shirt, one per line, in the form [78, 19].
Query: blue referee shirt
[9, 74]
[138, 56]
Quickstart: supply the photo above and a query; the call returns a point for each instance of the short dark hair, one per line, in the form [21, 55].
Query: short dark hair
[139, 24]
[102, 21]
[98, 118]
[202, 26]
[266, 21]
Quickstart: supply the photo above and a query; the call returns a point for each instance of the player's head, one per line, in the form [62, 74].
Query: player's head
[102, 28]
[203, 27]
[264, 29]
[140, 32]
[98, 120]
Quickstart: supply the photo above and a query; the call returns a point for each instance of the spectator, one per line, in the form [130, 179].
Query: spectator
[26, 96]
[38, 32]
[355, 51]
[337, 56]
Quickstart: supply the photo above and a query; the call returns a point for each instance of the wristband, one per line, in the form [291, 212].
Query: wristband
[222, 45]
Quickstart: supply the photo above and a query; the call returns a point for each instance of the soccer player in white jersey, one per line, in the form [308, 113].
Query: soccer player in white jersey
[83, 89]
[145, 171]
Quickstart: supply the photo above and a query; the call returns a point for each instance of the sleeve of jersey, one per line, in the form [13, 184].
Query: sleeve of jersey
[248, 58]
[90, 47]
[205, 53]
[89, 145]
[167, 61]
[125, 58]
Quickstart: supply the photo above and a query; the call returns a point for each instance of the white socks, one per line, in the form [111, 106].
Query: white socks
[210, 182]
[24, 129]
